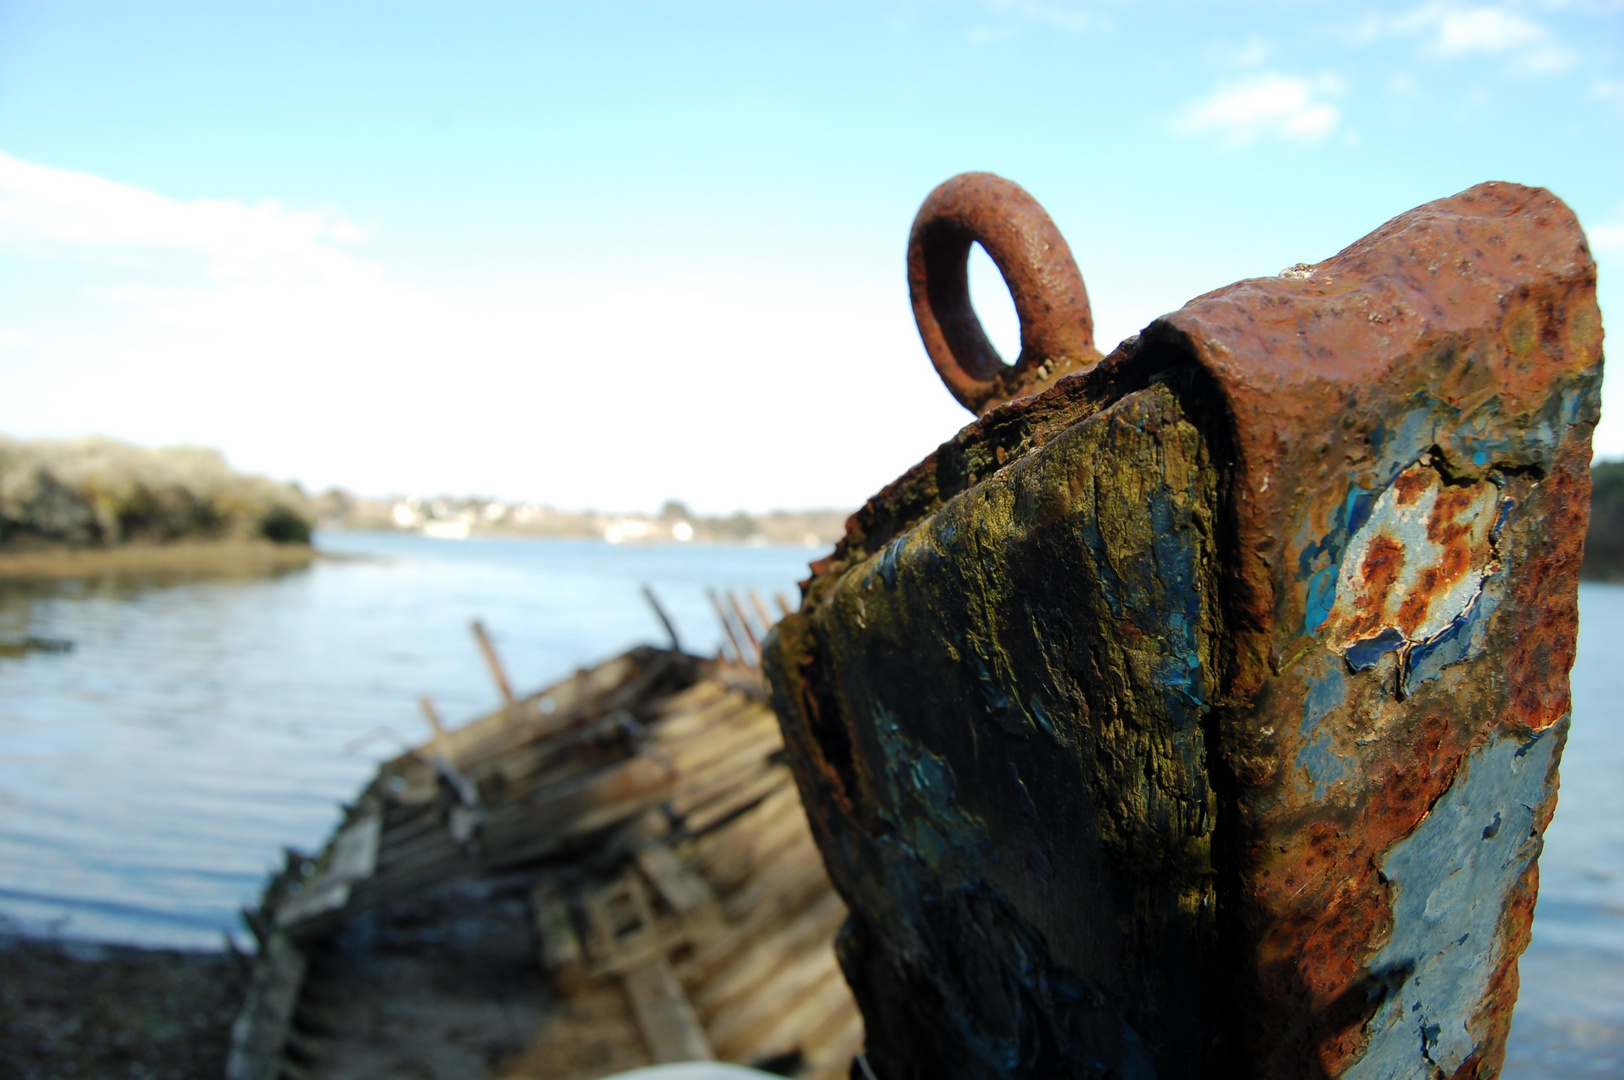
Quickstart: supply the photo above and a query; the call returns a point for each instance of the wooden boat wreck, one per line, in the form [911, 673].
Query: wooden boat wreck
[613, 871]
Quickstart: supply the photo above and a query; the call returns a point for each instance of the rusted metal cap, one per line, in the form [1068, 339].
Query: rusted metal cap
[1057, 326]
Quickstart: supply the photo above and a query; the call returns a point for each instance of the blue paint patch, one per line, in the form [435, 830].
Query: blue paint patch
[1460, 640]
[1021, 794]
[1357, 508]
[921, 808]
[886, 565]
[1039, 864]
[1363, 655]
[1324, 694]
[1321, 598]
[1001, 705]
[1034, 705]
[1450, 879]
[1319, 757]
[1324, 765]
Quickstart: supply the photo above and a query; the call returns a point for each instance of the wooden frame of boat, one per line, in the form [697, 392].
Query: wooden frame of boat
[643, 809]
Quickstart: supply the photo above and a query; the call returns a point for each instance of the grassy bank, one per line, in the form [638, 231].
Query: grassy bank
[69, 508]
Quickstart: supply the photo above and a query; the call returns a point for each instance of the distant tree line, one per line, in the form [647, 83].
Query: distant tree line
[100, 492]
[1604, 544]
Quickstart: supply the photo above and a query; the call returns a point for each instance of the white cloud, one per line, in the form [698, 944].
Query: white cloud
[1483, 30]
[1063, 15]
[1286, 106]
[46, 208]
[1451, 32]
[253, 328]
[1607, 237]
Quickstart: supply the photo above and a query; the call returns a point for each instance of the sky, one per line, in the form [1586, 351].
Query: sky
[606, 254]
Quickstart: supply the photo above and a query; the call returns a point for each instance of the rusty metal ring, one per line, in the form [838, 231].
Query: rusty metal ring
[1057, 326]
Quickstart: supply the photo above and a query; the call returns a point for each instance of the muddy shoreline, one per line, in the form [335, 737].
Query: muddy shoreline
[71, 1010]
[213, 558]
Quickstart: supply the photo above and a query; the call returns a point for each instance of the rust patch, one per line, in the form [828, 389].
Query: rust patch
[1415, 567]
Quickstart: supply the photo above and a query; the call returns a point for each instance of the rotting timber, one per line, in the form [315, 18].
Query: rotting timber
[610, 872]
[1196, 711]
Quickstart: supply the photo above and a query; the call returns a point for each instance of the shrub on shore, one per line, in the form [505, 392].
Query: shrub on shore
[99, 492]
[1604, 544]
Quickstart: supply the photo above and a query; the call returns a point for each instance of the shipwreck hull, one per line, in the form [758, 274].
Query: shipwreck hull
[1200, 714]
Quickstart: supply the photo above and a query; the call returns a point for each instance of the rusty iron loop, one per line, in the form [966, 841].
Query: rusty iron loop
[1057, 326]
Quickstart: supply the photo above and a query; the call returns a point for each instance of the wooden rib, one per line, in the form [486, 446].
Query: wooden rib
[493, 661]
[681, 888]
[792, 1027]
[744, 621]
[680, 724]
[727, 625]
[761, 610]
[727, 787]
[831, 1048]
[710, 954]
[725, 803]
[667, 1021]
[797, 977]
[795, 861]
[813, 925]
[760, 730]
[561, 952]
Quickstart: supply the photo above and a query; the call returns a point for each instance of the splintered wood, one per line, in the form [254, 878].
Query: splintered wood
[679, 905]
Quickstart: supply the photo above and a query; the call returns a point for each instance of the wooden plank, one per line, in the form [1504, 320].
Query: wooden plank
[724, 804]
[620, 923]
[664, 1016]
[697, 696]
[797, 977]
[355, 849]
[315, 899]
[595, 801]
[816, 924]
[831, 1048]
[757, 728]
[561, 953]
[730, 706]
[789, 1028]
[352, 857]
[742, 935]
[795, 862]
[681, 888]
[261, 1028]
[493, 661]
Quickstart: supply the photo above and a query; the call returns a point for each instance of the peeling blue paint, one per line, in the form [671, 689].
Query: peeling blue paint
[1319, 757]
[1363, 655]
[1321, 597]
[1461, 640]
[1034, 705]
[1451, 879]
[1324, 694]
[921, 807]
[1039, 864]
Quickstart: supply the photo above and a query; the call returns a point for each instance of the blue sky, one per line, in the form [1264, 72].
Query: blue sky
[605, 254]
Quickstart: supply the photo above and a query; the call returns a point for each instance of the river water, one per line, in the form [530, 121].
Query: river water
[150, 777]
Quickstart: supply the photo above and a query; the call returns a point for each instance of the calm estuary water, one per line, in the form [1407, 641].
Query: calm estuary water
[150, 777]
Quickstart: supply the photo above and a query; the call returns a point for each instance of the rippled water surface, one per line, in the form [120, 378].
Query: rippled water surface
[150, 777]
